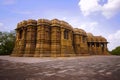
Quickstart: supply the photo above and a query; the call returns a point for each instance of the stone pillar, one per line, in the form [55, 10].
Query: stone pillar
[102, 48]
[20, 39]
[30, 38]
[62, 43]
[66, 42]
[55, 41]
[105, 48]
[47, 48]
[98, 48]
[43, 38]
[89, 48]
[70, 44]
[83, 45]
[22, 42]
[92, 48]
[91, 51]
[40, 41]
[90, 43]
[16, 47]
[77, 44]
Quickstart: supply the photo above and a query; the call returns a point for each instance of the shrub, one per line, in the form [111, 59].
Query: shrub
[116, 51]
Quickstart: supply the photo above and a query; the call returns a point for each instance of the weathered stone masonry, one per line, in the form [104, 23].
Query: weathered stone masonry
[55, 38]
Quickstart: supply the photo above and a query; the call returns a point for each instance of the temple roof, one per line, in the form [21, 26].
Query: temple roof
[79, 31]
[43, 22]
[60, 23]
[89, 34]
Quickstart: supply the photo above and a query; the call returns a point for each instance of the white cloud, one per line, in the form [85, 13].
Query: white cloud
[111, 8]
[9, 2]
[89, 6]
[114, 40]
[89, 26]
[1, 24]
[4, 27]
[108, 10]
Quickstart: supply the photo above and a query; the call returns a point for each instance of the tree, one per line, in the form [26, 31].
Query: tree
[116, 51]
[7, 40]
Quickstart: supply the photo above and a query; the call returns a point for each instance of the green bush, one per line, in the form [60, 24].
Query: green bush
[7, 40]
[116, 51]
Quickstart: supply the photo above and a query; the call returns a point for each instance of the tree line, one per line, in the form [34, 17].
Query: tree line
[115, 51]
[7, 42]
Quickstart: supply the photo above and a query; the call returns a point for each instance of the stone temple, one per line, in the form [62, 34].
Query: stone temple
[55, 38]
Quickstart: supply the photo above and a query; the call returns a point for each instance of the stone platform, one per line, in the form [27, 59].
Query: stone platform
[64, 68]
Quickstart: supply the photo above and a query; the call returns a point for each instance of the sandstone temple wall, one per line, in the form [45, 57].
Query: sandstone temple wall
[55, 38]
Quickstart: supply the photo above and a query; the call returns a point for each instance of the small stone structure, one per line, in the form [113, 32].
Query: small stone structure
[55, 38]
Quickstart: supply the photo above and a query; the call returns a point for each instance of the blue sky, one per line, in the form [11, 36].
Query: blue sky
[100, 17]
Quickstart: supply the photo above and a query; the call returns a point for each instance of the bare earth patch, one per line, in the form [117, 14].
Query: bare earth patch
[69, 68]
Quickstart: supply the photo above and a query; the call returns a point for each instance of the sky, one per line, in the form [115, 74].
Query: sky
[99, 17]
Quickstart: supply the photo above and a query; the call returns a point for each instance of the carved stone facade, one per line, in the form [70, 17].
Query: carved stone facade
[55, 38]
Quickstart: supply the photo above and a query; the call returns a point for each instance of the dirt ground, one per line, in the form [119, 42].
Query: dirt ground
[69, 68]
